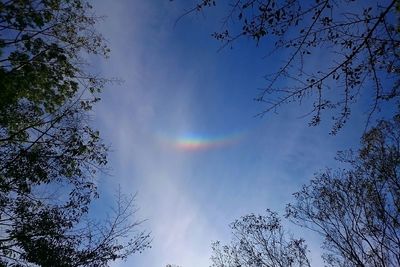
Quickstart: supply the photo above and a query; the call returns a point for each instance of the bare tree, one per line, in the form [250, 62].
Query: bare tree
[338, 51]
[357, 211]
[260, 240]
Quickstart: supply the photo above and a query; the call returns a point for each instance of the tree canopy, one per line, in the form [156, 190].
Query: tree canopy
[49, 153]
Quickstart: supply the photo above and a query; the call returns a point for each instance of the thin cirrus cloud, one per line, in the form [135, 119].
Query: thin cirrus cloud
[130, 115]
[183, 135]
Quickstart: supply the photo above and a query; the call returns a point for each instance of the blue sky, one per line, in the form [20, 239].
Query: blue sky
[177, 85]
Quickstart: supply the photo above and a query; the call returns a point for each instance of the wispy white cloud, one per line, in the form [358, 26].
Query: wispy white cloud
[150, 100]
[189, 198]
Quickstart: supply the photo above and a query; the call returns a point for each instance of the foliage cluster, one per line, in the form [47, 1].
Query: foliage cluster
[49, 154]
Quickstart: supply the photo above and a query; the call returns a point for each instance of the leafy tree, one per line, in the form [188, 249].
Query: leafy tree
[357, 40]
[49, 154]
[356, 212]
